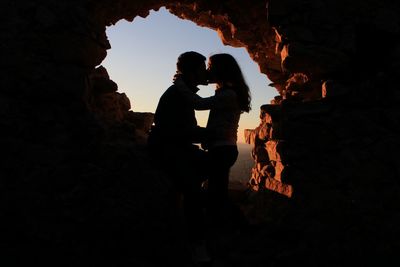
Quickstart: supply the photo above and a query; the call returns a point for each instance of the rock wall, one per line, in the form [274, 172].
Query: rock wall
[75, 174]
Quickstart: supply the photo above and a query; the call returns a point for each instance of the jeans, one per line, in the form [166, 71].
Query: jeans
[185, 168]
[221, 159]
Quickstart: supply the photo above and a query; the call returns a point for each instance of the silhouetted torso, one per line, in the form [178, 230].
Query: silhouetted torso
[174, 120]
[224, 118]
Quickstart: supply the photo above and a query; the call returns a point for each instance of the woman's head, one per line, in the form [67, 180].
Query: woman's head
[224, 70]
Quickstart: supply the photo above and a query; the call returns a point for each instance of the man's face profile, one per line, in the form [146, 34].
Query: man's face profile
[202, 75]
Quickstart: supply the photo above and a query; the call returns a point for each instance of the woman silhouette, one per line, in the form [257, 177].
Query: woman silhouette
[232, 97]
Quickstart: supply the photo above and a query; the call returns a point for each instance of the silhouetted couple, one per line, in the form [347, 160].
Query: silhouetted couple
[201, 176]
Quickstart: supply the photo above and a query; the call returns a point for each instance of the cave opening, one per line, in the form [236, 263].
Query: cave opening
[143, 56]
[142, 62]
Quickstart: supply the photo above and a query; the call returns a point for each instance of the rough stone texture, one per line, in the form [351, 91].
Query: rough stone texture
[77, 185]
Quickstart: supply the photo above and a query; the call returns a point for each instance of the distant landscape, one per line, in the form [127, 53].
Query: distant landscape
[241, 171]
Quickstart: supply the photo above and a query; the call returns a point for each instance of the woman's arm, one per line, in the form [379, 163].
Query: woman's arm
[204, 103]
[198, 102]
[223, 99]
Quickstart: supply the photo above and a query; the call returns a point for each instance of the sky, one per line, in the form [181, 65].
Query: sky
[142, 61]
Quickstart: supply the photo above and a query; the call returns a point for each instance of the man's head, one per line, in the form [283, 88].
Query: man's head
[192, 66]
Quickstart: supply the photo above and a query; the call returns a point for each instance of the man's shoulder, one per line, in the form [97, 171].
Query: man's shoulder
[170, 90]
[179, 90]
[174, 94]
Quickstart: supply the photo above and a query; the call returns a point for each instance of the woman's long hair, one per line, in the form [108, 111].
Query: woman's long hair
[225, 69]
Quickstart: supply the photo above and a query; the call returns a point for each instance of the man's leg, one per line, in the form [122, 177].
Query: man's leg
[194, 199]
[194, 204]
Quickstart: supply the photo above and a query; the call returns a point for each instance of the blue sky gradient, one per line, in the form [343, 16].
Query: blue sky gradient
[142, 61]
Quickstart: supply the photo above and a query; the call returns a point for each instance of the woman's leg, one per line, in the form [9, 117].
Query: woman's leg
[221, 160]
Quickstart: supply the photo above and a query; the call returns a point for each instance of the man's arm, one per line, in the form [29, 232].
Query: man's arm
[197, 102]
[221, 100]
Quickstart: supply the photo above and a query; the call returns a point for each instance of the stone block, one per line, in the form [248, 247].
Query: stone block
[288, 175]
[276, 131]
[268, 171]
[260, 154]
[274, 111]
[277, 99]
[123, 102]
[298, 82]
[266, 117]
[281, 188]
[279, 167]
[255, 179]
[272, 147]
[141, 120]
[271, 122]
[319, 60]
[103, 85]
[260, 166]
[250, 136]
[332, 89]
[264, 131]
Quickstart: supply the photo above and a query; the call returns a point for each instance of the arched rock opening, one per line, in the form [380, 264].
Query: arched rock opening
[327, 141]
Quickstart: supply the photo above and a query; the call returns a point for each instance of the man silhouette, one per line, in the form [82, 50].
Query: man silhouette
[172, 142]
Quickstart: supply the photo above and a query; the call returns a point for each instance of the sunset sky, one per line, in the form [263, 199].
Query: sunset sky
[142, 61]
